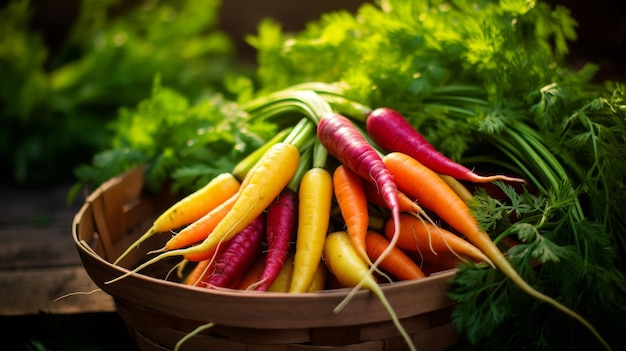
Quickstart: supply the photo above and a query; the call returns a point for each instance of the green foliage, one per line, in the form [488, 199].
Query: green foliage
[185, 142]
[55, 104]
[555, 254]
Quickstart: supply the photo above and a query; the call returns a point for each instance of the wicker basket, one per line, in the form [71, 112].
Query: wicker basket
[158, 312]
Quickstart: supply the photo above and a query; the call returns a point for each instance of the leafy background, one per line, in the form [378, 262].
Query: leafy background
[68, 66]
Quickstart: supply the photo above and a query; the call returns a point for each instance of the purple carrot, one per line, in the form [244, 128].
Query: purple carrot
[239, 254]
[281, 222]
[344, 141]
[392, 132]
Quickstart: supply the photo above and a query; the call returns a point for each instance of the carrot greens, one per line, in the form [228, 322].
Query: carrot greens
[486, 83]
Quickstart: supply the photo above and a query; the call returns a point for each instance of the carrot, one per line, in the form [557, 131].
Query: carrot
[200, 229]
[352, 203]
[203, 268]
[391, 131]
[397, 263]
[350, 270]
[262, 184]
[199, 272]
[441, 261]
[319, 278]
[315, 199]
[238, 255]
[344, 141]
[421, 183]
[190, 208]
[281, 223]
[283, 279]
[252, 275]
[418, 235]
[265, 181]
[405, 203]
[201, 255]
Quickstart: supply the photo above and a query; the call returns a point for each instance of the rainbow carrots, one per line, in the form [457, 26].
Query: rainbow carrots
[190, 208]
[283, 193]
[262, 184]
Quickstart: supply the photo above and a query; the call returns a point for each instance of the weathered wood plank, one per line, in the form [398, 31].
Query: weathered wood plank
[33, 291]
[35, 228]
[24, 246]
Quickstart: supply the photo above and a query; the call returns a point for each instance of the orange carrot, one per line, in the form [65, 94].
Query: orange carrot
[405, 203]
[352, 203]
[442, 261]
[418, 235]
[397, 263]
[200, 255]
[190, 208]
[198, 273]
[262, 184]
[252, 275]
[200, 229]
[433, 193]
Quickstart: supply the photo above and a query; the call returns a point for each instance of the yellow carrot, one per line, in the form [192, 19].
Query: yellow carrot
[350, 270]
[262, 184]
[319, 278]
[190, 208]
[316, 193]
[283, 279]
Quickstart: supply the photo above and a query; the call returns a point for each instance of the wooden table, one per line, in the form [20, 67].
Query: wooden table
[39, 265]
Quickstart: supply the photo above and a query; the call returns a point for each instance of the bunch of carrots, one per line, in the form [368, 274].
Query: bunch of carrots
[332, 201]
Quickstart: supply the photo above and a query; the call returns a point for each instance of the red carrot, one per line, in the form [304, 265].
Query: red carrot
[281, 223]
[391, 131]
[239, 254]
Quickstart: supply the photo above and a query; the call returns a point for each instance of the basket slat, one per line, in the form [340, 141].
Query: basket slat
[158, 312]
